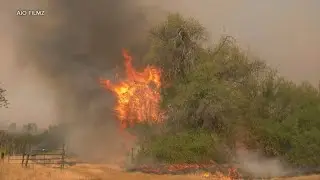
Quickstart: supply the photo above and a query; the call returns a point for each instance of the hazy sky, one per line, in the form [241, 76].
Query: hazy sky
[285, 33]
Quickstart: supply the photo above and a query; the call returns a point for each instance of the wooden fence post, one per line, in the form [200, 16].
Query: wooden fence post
[9, 152]
[44, 158]
[132, 156]
[62, 156]
[22, 159]
[28, 155]
[2, 156]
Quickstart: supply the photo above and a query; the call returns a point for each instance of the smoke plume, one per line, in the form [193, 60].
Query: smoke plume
[257, 165]
[75, 43]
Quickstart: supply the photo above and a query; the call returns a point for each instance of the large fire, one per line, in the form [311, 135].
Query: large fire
[138, 99]
[138, 95]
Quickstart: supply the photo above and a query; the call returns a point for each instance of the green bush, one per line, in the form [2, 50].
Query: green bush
[185, 147]
[292, 130]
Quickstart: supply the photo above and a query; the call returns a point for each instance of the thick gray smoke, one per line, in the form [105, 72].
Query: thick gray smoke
[78, 41]
[71, 47]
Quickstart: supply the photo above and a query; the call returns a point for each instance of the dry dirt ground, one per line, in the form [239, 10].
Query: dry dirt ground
[93, 172]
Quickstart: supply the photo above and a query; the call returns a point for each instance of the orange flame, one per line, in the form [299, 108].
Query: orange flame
[138, 96]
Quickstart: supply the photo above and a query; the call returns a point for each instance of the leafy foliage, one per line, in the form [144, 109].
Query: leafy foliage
[174, 45]
[185, 147]
[230, 95]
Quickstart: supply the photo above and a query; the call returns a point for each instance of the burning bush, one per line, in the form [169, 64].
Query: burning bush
[137, 100]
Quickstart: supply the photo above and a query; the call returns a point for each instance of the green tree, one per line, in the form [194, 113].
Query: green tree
[174, 45]
[224, 93]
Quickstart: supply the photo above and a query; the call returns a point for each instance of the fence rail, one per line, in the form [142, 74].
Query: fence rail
[39, 157]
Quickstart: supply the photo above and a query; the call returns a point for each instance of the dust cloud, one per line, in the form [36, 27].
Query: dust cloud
[51, 65]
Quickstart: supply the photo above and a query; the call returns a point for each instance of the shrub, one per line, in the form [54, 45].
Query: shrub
[185, 147]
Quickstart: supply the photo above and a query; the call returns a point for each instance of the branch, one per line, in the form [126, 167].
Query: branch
[225, 39]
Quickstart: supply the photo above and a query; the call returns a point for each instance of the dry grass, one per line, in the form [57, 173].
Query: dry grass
[79, 172]
[36, 172]
[311, 177]
[92, 172]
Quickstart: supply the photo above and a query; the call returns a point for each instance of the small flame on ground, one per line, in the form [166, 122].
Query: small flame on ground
[232, 175]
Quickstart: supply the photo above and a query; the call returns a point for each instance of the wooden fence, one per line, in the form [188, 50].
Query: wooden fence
[39, 156]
